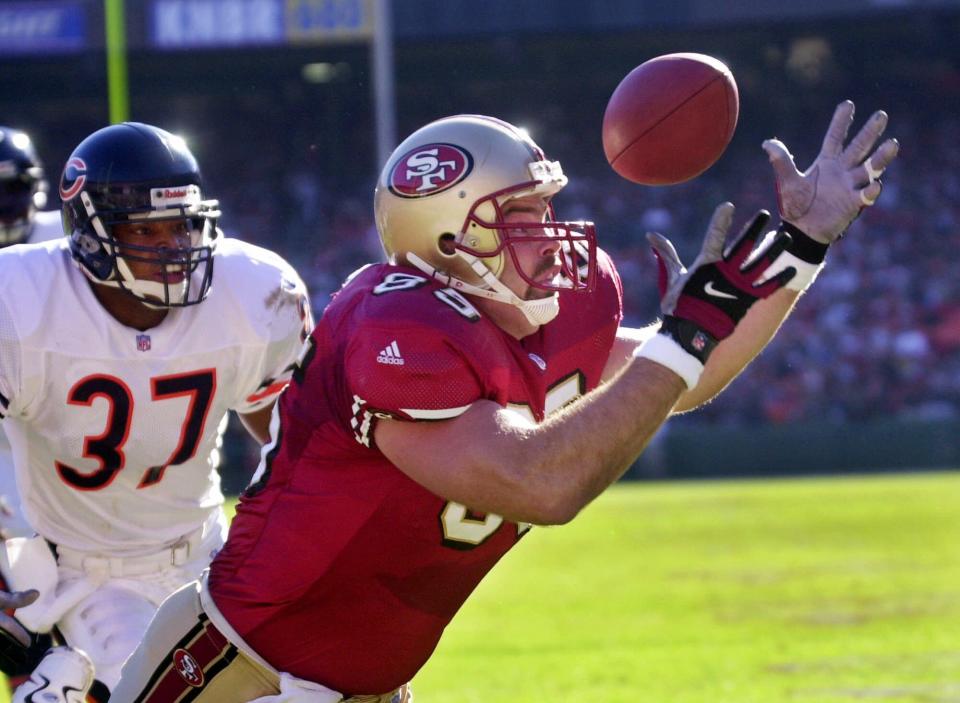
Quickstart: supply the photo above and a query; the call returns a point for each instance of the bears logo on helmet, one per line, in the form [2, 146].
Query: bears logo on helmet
[73, 179]
[429, 169]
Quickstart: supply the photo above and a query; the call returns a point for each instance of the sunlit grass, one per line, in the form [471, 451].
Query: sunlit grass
[837, 589]
[832, 590]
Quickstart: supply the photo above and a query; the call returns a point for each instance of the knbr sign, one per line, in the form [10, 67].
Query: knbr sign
[208, 23]
[188, 24]
[325, 20]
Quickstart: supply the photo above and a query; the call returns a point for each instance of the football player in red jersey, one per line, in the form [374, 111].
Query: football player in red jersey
[476, 384]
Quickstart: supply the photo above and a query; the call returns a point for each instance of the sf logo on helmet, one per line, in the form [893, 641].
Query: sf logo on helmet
[429, 169]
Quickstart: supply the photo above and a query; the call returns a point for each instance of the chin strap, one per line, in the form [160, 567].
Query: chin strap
[144, 290]
[538, 312]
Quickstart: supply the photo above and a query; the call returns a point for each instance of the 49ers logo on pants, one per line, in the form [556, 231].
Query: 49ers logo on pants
[188, 668]
[428, 170]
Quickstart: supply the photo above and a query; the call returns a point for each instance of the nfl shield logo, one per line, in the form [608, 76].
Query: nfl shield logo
[143, 342]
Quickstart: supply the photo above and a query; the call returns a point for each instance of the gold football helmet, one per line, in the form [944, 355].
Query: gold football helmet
[439, 207]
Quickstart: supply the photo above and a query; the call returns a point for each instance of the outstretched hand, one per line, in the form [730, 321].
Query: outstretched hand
[823, 200]
[721, 284]
[703, 304]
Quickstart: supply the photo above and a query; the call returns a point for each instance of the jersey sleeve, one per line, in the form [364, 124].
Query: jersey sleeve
[9, 362]
[289, 324]
[410, 372]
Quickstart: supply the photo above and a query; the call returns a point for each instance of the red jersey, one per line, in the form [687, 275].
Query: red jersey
[339, 568]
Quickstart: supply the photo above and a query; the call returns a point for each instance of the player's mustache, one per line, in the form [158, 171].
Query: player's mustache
[543, 266]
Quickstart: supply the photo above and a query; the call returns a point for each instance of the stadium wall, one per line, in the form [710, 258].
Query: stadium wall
[705, 451]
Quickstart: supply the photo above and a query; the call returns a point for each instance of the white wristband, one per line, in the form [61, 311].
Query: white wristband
[666, 352]
[804, 277]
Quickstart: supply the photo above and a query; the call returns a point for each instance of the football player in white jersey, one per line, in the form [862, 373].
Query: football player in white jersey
[120, 353]
[23, 195]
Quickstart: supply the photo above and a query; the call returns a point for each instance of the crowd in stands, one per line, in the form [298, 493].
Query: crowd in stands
[877, 336]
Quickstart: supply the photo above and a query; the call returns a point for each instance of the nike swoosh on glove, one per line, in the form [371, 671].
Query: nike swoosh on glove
[720, 286]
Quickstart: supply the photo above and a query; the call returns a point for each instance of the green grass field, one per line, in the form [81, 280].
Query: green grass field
[842, 589]
[832, 590]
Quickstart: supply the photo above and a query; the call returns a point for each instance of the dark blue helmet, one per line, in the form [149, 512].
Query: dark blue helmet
[23, 189]
[129, 172]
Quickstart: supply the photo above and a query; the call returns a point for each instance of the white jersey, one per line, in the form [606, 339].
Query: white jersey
[47, 225]
[113, 429]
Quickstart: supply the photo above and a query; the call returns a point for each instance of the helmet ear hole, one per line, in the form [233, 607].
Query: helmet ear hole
[447, 244]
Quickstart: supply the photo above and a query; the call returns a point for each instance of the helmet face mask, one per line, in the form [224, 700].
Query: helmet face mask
[440, 206]
[178, 275]
[130, 173]
[577, 241]
[23, 189]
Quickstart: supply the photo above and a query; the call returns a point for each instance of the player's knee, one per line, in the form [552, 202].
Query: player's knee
[107, 626]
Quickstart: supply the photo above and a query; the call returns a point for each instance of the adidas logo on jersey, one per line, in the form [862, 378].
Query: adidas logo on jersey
[390, 355]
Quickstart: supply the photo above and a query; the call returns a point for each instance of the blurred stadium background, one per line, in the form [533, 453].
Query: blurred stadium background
[733, 592]
[276, 97]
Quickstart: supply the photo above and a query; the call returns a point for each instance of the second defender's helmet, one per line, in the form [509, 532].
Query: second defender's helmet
[23, 189]
[128, 172]
[439, 207]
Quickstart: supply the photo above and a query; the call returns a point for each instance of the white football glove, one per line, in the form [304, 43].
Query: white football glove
[823, 200]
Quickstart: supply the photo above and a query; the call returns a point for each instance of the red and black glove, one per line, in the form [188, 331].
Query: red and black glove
[703, 304]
